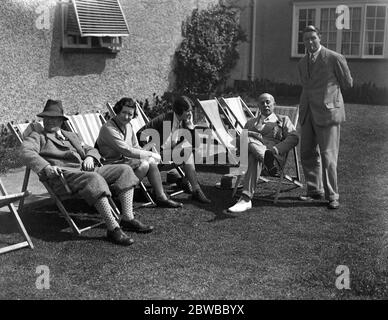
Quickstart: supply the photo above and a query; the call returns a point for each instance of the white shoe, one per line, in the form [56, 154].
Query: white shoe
[241, 206]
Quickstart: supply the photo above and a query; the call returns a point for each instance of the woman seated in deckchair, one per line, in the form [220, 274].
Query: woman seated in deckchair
[117, 143]
[178, 120]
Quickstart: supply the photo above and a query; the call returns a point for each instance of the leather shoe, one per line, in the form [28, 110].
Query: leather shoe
[241, 206]
[117, 236]
[200, 196]
[333, 204]
[185, 185]
[168, 203]
[312, 197]
[135, 225]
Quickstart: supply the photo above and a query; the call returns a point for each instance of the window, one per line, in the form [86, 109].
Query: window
[93, 24]
[365, 37]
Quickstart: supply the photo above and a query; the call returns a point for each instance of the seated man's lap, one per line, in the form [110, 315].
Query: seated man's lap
[257, 150]
[88, 185]
[119, 177]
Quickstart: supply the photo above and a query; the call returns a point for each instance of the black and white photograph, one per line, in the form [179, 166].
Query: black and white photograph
[194, 156]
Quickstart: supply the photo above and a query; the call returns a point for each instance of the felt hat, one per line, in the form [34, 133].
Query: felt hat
[53, 108]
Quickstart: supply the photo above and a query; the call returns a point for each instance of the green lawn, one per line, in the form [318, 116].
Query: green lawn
[286, 251]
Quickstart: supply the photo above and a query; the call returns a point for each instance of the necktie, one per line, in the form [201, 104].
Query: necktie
[310, 64]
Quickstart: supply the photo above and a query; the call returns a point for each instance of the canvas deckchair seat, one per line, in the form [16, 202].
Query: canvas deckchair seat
[87, 126]
[227, 142]
[236, 109]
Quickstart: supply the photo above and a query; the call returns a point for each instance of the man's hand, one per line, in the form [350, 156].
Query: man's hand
[88, 164]
[52, 171]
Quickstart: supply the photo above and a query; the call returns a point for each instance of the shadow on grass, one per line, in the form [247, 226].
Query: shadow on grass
[222, 200]
[42, 221]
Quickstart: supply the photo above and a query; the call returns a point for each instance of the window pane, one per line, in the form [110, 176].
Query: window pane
[356, 13]
[370, 24]
[83, 40]
[302, 14]
[300, 37]
[380, 11]
[370, 11]
[324, 14]
[379, 36]
[380, 24]
[369, 36]
[355, 25]
[355, 49]
[306, 17]
[332, 14]
[332, 36]
[356, 37]
[379, 49]
[369, 49]
[345, 49]
[71, 40]
[332, 46]
[346, 36]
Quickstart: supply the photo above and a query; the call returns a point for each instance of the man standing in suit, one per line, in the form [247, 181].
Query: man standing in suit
[323, 73]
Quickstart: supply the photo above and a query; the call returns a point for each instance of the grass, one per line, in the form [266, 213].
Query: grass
[285, 251]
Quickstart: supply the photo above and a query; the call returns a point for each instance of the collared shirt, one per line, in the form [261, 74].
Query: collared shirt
[59, 135]
[271, 118]
[313, 56]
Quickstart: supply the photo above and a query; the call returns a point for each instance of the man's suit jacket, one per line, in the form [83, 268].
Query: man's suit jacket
[157, 124]
[322, 88]
[281, 134]
[42, 149]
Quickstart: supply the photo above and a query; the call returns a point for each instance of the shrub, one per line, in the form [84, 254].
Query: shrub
[208, 51]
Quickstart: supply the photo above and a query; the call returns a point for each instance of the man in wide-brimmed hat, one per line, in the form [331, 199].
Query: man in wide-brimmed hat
[54, 151]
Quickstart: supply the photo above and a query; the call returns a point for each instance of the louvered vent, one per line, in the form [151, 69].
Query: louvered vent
[98, 18]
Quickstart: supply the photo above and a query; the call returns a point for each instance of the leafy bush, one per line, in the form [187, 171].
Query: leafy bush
[208, 51]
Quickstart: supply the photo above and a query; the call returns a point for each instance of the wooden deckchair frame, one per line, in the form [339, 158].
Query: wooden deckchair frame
[8, 200]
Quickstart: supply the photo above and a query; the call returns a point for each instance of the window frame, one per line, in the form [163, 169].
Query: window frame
[318, 6]
[102, 47]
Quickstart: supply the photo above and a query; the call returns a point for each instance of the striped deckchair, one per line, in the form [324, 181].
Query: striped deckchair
[237, 111]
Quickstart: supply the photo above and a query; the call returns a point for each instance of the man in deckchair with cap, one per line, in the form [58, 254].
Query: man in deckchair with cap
[54, 151]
